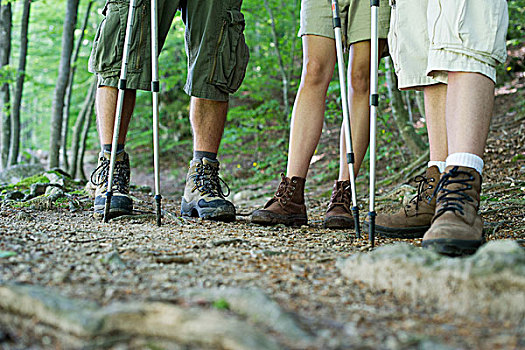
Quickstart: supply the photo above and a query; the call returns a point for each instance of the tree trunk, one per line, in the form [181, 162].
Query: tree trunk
[62, 82]
[69, 90]
[85, 132]
[5, 96]
[420, 101]
[14, 146]
[406, 129]
[282, 69]
[86, 111]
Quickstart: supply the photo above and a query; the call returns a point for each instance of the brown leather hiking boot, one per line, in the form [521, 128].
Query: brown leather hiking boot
[339, 215]
[287, 205]
[414, 219]
[457, 228]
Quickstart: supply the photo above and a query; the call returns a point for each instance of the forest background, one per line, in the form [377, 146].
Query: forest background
[47, 96]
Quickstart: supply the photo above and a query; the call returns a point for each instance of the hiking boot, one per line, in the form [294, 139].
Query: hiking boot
[339, 214]
[413, 220]
[121, 203]
[203, 195]
[457, 228]
[287, 205]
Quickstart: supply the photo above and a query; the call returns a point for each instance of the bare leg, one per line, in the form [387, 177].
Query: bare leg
[106, 105]
[359, 100]
[470, 100]
[435, 100]
[308, 112]
[207, 121]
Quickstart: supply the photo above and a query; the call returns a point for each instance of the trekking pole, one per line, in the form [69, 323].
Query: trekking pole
[155, 88]
[350, 158]
[374, 101]
[120, 104]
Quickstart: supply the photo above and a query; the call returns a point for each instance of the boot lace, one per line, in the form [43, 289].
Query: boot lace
[423, 185]
[208, 182]
[100, 175]
[453, 200]
[341, 196]
[284, 192]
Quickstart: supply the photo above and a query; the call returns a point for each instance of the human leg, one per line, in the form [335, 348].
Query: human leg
[305, 131]
[309, 106]
[408, 41]
[338, 214]
[457, 227]
[215, 72]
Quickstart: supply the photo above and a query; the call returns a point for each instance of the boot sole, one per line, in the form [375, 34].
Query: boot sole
[452, 247]
[400, 232]
[267, 218]
[113, 212]
[339, 222]
[191, 209]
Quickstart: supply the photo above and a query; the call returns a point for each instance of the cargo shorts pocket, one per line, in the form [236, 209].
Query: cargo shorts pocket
[108, 46]
[231, 55]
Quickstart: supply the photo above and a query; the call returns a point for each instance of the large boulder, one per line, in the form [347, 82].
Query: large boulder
[490, 282]
[17, 172]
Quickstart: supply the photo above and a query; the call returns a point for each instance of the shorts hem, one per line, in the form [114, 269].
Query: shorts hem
[208, 94]
[325, 35]
[418, 82]
[132, 83]
[451, 61]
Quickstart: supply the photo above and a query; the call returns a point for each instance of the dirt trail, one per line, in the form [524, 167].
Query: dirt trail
[132, 260]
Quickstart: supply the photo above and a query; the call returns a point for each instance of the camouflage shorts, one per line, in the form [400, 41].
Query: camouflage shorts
[215, 46]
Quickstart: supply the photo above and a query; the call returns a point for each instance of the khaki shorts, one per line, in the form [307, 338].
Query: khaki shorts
[215, 46]
[316, 19]
[427, 39]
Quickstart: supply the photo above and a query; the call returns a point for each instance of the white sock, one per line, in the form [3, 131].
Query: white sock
[441, 165]
[467, 160]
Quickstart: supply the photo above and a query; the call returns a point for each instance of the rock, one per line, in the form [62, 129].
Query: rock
[17, 172]
[54, 192]
[258, 308]
[38, 189]
[174, 259]
[221, 242]
[54, 178]
[492, 281]
[14, 195]
[113, 259]
[23, 216]
[86, 320]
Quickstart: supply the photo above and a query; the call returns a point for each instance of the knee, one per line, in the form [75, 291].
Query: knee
[360, 81]
[316, 73]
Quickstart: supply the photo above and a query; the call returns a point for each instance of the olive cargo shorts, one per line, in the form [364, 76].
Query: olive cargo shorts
[215, 45]
[427, 39]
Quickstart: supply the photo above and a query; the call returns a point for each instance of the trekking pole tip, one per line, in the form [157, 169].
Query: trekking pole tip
[107, 206]
[355, 211]
[158, 199]
[372, 228]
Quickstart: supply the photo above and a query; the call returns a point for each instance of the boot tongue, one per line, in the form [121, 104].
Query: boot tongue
[107, 155]
[210, 162]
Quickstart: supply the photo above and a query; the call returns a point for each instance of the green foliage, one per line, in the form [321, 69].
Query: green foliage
[254, 145]
[28, 181]
[221, 304]
[516, 21]
[6, 254]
